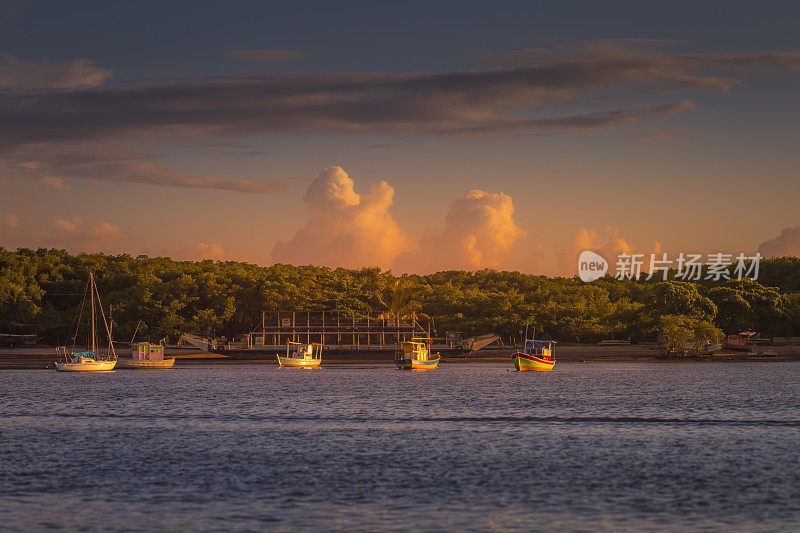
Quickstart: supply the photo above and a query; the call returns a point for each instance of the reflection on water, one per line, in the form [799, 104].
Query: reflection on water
[466, 446]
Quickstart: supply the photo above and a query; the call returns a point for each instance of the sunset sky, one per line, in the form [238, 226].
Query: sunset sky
[415, 136]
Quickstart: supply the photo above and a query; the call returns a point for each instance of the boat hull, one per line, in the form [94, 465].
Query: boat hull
[416, 364]
[291, 362]
[143, 364]
[87, 366]
[523, 362]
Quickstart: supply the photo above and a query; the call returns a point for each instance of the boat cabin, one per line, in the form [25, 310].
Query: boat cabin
[541, 349]
[303, 351]
[83, 357]
[416, 349]
[144, 351]
[739, 341]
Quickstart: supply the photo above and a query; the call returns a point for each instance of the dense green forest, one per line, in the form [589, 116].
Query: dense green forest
[166, 297]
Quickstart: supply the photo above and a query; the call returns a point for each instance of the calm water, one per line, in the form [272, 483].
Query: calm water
[643, 446]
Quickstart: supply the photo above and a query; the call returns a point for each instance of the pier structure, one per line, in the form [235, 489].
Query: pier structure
[335, 330]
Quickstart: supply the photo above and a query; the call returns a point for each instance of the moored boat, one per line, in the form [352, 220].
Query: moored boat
[415, 355]
[145, 355]
[535, 355]
[91, 360]
[85, 362]
[304, 355]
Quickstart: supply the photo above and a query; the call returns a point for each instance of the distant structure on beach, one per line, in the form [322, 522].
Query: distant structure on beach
[335, 332]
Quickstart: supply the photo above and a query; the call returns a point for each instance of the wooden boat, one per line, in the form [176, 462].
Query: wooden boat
[145, 355]
[304, 355]
[415, 355]
[535, 355]
[90, 360]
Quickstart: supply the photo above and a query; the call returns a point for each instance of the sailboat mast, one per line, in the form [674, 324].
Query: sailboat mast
[92, 289]
[111, 351]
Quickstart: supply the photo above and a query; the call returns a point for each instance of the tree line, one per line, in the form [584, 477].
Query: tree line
[164, 298]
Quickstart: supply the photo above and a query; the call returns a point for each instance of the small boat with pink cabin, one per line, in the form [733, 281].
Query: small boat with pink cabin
[145, 355]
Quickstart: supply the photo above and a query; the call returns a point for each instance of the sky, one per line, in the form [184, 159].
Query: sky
[414, 136]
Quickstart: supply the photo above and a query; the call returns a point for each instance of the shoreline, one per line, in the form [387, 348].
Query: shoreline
[42, 357]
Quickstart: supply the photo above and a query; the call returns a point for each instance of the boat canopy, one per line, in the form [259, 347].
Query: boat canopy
[413, 343]
[539, 344]
[84, 354]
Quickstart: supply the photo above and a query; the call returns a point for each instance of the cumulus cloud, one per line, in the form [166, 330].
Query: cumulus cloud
[479, 232]
[77, 235]
[345, 228]
[202, 251]
[68, 226]
[107, 231]
[104, 231]
[785, 244]
[18, 74]
[54, 165]
[213, 251]
[266, 55]
[502, 100]
[608, 243]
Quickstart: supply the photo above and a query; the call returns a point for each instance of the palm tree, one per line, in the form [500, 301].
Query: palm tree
[401, 300]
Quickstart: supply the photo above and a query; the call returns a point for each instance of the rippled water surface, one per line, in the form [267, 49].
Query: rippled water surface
[467, 446]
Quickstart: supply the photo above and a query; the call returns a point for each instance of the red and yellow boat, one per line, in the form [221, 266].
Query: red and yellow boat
[536, 355]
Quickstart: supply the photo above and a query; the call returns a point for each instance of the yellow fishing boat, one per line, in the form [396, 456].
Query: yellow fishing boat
[535, 355]
[304, 355]
[415, 355]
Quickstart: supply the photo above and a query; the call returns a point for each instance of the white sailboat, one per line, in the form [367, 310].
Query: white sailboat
[90, 360]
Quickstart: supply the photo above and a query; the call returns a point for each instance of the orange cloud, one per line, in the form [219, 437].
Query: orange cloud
[68, 226]
[479, 232]
[607, 243]
[75, 234]
[214, 251]
[345, 228]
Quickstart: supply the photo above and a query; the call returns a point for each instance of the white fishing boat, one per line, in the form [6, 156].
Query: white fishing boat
[90, 360]
[304, 355]
[145, 355]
